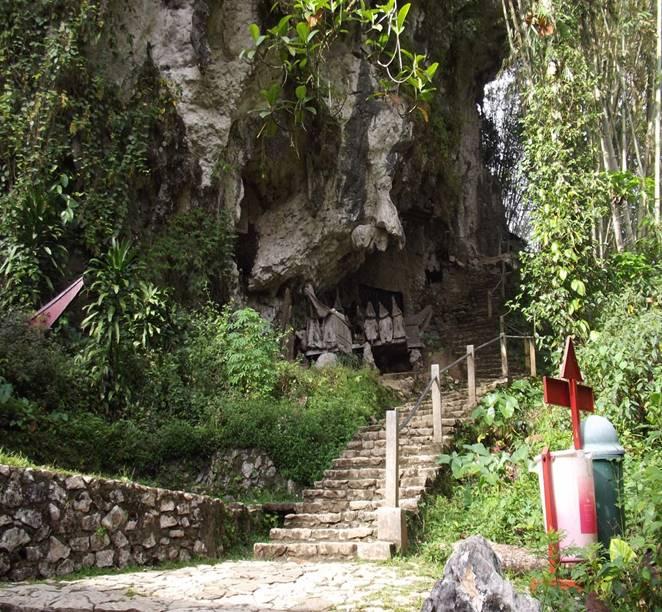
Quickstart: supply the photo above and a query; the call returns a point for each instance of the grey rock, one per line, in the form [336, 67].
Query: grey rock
[199, 548]
[74, 483]
[83, 502]
[57, 550]
[117, 496]
[167, 521]
[5, 520]
[176, 533]
[19, 574]
[105, 558]
[326, 360]
[149, 542]
[88, 560]
[114, 519]
[29, 517]
[4, 564]
[66, 567]
[54, 513]
[80, 544]
[99, 541]
[33, 553]
[12, 496]
[183, 508]
[119, 540]
[167, 505]
[473, 582]
[91, 522]
[41, 534]
[130, 525]
[124, 558]
[149, 499]
[46, 570]
[13, 538]
[57, 493]
[5, 470]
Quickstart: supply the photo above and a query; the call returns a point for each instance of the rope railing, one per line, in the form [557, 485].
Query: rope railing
[414, 410]
[394, 425]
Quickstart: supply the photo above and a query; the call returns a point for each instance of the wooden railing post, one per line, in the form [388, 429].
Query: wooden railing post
[532, 356]
[392, 479]
[437, 432]
[504, 355]
[489, 303]
[503, 341]
[471, 374]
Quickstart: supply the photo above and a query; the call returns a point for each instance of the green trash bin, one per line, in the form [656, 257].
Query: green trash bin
[600, 439]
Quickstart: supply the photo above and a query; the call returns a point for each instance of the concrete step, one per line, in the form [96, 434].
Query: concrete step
[369, 551]
[418, 480]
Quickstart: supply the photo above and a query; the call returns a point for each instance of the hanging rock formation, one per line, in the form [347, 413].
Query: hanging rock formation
[375, 193]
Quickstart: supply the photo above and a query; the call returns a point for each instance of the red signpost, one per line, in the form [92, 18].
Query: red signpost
[568, 391]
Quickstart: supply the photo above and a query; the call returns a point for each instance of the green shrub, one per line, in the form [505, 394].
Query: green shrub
[37, 367]
[233, 350]
[623, 360]
[309, 425]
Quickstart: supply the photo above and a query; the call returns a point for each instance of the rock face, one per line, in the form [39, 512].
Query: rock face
[473, 582]
[372, 194]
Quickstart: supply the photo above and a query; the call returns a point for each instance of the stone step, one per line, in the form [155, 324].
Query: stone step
[406, 450]
[376, 462]
[318, 534]
[366, 494]
[361, 505]
[345, 519]
[378, 473]
[374, 483]
[369, 551]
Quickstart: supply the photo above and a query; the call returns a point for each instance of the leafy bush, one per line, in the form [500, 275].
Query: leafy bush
[235, 350]
[308, 426]
[126, 314]
[37, 367]
[624, 360]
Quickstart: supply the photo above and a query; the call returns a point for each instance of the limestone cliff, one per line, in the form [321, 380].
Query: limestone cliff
[375, 196]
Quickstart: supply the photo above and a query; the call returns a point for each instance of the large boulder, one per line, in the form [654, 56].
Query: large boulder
[473, 582]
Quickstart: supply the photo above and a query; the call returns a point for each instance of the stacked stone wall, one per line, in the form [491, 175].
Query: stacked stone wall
[54, 524]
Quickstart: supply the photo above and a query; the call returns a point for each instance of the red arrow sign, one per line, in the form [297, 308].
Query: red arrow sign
[567, 390]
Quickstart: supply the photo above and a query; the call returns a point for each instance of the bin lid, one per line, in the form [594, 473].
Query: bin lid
[600, 438]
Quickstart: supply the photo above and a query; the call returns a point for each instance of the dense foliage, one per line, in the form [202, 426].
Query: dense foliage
[221, 384]
[496, 495]
[585, 74]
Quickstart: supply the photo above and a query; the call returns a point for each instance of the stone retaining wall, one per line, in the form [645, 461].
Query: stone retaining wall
[54, 524]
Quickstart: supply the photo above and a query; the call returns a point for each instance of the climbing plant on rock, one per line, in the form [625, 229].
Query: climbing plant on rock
[73, 147]
[298, 45]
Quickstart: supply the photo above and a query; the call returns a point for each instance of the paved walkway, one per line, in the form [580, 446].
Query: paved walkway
[233, 585]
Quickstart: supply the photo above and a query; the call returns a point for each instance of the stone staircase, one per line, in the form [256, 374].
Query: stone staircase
[338, 518]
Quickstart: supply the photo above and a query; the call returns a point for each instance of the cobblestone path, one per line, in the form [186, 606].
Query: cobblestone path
[232, 585]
